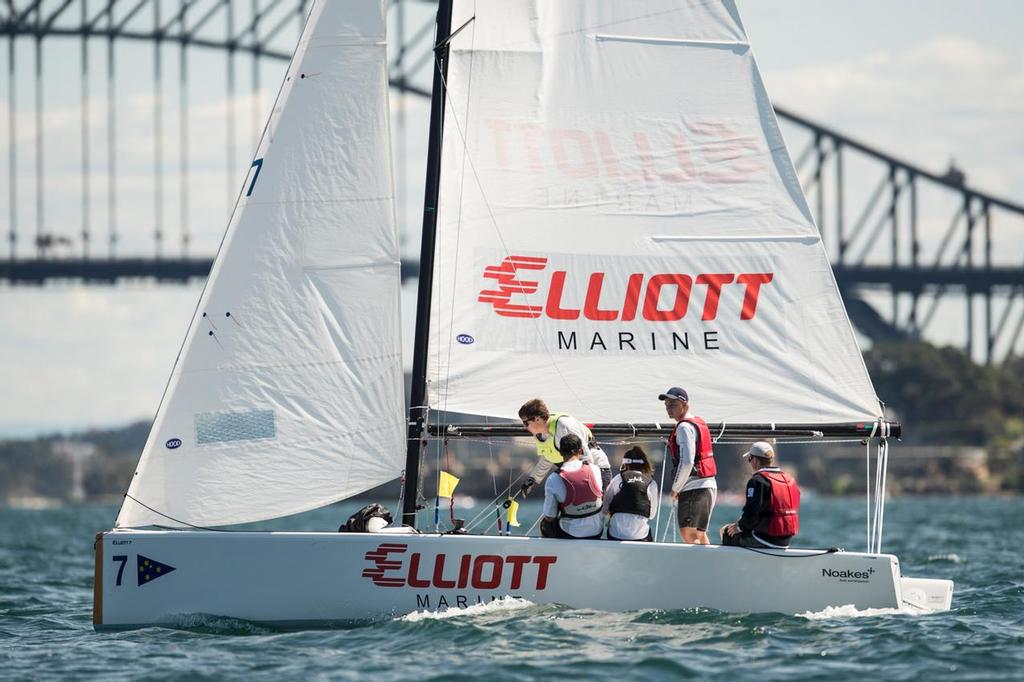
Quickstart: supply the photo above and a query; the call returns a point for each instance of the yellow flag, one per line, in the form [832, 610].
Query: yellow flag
[513, 507]
[446, 484]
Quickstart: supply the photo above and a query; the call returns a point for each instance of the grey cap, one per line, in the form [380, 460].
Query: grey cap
[761, 450]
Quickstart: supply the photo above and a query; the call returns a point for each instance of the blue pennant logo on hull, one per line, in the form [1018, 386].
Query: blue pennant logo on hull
[150, 569]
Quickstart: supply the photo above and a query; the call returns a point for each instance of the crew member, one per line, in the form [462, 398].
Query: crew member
[693, 475]
[771, 514]
[549, 429]
[632, 498]
[572, 498]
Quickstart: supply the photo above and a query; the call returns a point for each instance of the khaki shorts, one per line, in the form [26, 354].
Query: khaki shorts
[695, 508]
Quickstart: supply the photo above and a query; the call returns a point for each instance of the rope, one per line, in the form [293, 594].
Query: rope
[661, 491]
[867, 493]
[884, 463]
[482, 514]
[184, 523]
[830, 550]
[668, 526]
[878, 498]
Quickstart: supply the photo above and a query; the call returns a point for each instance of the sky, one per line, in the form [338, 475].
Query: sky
[928, 81]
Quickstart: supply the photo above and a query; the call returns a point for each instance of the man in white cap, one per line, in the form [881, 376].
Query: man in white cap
[693, 475]
[771, 514]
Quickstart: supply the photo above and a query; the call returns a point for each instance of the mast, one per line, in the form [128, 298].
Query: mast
[418, 391]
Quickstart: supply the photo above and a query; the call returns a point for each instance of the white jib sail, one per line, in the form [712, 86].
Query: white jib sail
[618, 215]
[288, 392]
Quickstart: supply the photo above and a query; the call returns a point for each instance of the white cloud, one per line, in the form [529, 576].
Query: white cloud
[82, 357]
[947, 97]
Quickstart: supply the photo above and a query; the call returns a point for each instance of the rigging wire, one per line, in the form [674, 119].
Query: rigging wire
[867, 493]
[661, 492]
[483, 513]
[668, 525]
[883, 455]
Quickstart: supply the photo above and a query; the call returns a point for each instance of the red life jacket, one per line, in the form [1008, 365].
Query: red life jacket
[704, 459]
[784, 520]
[582, 494]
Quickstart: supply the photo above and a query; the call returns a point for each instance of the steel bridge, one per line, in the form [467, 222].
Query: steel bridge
[919, 240]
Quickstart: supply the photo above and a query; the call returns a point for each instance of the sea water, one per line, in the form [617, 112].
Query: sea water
[46, 574]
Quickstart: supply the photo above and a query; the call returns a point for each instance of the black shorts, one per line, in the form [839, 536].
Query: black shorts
[695, 508]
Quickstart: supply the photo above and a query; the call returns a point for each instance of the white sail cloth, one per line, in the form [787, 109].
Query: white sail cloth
[288, 392]
[619, 214]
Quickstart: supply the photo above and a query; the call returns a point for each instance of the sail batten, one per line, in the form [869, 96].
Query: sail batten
[288, 392]
[618, 214]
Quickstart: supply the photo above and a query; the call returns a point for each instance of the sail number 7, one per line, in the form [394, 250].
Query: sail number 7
[122, 559]
[257, 164]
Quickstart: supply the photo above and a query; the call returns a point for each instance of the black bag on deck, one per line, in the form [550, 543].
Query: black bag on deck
[357, 522]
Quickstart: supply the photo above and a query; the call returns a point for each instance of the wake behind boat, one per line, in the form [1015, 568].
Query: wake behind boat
[609, 203]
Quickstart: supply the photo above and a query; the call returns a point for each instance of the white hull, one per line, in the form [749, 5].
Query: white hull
[314, 578]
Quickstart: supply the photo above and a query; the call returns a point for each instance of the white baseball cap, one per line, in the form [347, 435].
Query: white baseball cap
[761, 450]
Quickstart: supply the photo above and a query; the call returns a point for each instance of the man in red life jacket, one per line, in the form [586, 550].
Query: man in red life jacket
[771, 514]
[572, 497]
[693, 474]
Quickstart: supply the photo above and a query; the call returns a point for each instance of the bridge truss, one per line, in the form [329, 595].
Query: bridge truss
[882, 238]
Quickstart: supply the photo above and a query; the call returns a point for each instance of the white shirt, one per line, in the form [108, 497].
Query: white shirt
[566, 425]
[623, 526]
[554, 494]
[686, 437]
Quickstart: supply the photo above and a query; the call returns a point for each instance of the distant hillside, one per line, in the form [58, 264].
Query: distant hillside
[963, 425]
[92, 465]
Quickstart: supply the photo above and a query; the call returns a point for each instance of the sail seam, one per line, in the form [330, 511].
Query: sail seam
[344, 200]
[328, 41]
[688, 42]
[355, 266]
[807, 238]
[239, 368]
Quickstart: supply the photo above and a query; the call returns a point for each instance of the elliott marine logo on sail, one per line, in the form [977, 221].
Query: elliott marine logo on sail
[649, 308]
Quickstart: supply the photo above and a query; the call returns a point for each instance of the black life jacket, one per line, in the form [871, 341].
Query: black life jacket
[632, 496]
[357, 522]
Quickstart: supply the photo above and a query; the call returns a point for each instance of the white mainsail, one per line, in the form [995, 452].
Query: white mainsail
[619, 214]
[288, 392]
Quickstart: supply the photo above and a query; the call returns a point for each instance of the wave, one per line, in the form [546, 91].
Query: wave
[851, 611]
[503, 605]
[951, 558]
[204, 623]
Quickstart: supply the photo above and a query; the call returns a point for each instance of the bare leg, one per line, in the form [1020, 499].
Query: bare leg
[692, 536]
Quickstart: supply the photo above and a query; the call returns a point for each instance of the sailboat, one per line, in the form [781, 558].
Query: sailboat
[610, 209]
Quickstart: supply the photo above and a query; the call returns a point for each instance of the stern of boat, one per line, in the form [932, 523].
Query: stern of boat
[927, 594]
[97, 582]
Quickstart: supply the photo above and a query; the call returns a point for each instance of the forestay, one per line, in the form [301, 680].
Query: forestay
[288, 392]
[619, 214]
